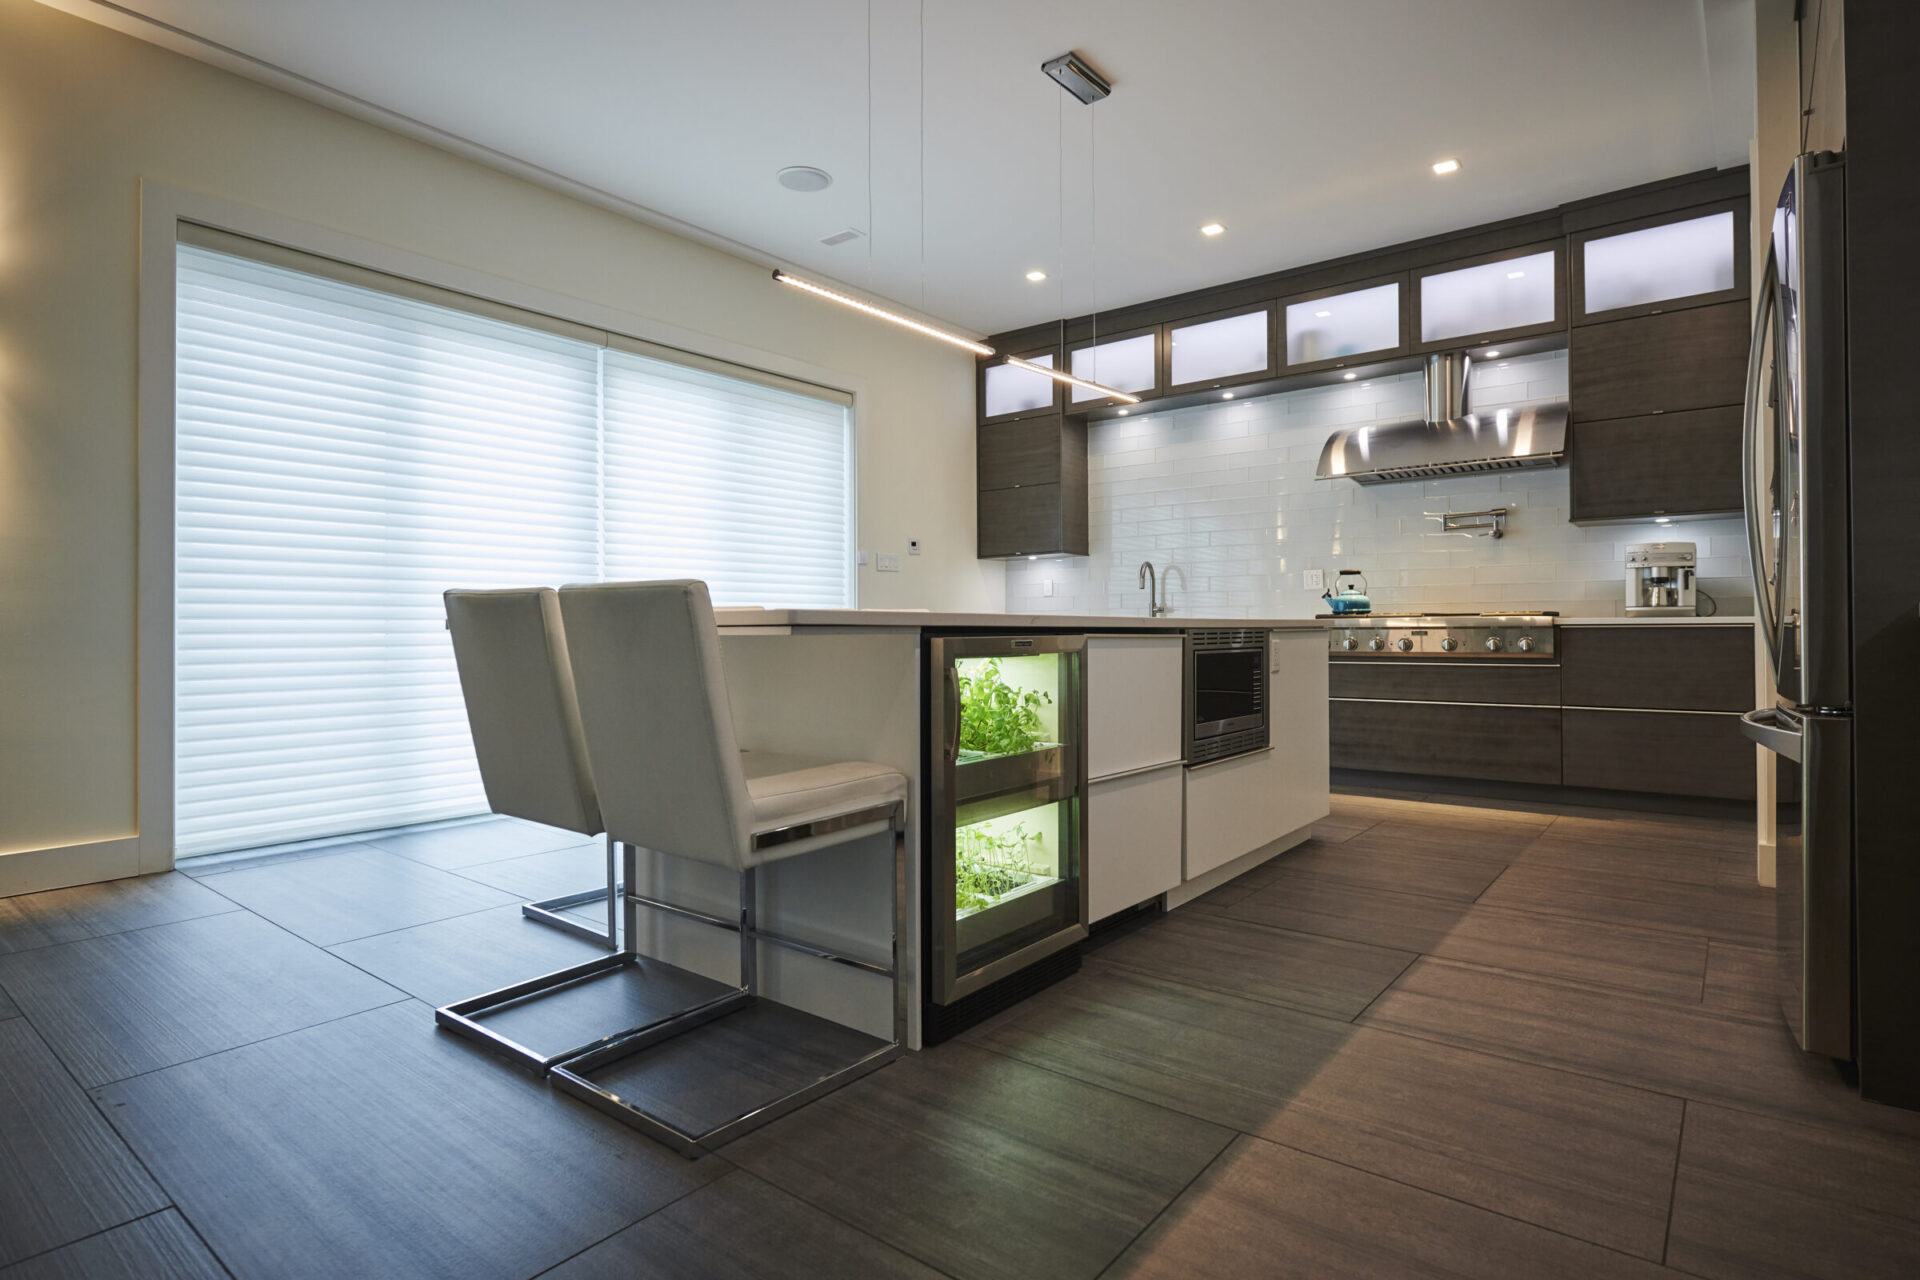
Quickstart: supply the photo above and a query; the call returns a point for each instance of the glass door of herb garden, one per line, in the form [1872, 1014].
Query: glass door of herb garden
[1006, 884]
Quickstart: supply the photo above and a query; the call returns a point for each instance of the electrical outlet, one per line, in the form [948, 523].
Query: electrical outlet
[913, 546]
[1049, 588]
[888, 564]
[1314, 579]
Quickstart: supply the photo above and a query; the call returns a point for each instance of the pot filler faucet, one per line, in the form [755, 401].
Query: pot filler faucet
[1148, 581]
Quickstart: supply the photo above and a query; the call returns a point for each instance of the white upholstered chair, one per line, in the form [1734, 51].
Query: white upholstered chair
[525, 717]
[671, 779]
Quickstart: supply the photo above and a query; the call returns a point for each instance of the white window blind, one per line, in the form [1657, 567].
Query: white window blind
[344, 454]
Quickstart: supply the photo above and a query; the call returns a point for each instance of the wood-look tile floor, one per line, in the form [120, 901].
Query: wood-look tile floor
[1439, 1038]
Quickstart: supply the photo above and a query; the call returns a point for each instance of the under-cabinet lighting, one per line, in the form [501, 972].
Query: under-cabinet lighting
[978, 348]
[1516, 275]
[1662, 520]
[1493, 355]
[1212, 229]
[1321, 315]
[1226, 395]
[1446, 166]
[1349, 376]
[1124, 412]
[1036, 276]
[1061, 375]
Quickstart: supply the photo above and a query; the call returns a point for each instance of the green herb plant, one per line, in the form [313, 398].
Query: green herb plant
[989, 866]
[995, 718]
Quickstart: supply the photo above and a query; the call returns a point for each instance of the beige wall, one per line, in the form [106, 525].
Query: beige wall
[85, 115]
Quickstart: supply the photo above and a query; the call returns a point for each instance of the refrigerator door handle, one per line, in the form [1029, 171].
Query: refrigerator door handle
[1777, 730]
[1750, 462]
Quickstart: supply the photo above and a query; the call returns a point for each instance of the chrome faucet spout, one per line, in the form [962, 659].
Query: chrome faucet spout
[1155, 598]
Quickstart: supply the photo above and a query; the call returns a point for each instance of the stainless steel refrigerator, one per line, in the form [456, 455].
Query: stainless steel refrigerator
[1799, 526]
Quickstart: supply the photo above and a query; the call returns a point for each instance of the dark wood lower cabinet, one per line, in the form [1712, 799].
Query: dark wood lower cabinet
[1662, 464]
[1493, 743]
[1666, 752]
[1530, 683]
[1695, 667]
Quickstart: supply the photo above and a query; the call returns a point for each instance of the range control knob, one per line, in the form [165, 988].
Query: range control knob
[1403, 644]
[1493, 644]
[1526, 644]
[1376, 644]
[1449, 644]
[1349, 643]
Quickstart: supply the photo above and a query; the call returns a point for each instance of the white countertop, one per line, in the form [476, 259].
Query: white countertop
[1718, 620]
[914, 619]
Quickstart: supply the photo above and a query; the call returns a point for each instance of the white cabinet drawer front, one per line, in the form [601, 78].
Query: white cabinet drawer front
[1133, 702]
[1133, 839]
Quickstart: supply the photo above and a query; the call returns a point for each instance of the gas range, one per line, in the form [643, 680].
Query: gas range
[1442, 635]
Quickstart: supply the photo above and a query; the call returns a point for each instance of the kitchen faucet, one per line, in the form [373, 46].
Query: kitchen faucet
[1149, 581]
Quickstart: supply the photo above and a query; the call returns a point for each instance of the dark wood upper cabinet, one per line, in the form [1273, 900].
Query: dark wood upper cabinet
[1223, 349]
[1032, 488]
[1489, 298]
[1007, 393]
[1132, 360]
[1689, 359]
[1689, 258]
[1354, 323]
[1668, 464]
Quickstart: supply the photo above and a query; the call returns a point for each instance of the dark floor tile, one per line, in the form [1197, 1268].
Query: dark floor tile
[734, 1065]
[1501, 841]
[582, 1012]
[1359, 913]
[93, 910]
[1627, 828]
[1391, 863]
[467, 844]
[355, 894]
[1436, 812]
[1266, 1210]
[468, 955]
[201, 866]
[7, 1007]
[1336, 828]
[985, 1167]
[1730, 912]
[1217, 901]
[116, 1006]
[1274, 966]
[64, 1173]
[1742, 982]
[740, 1228]
[1668, 1047]
[1759, 1197]
[1576, 950]
[553, 874]
[1645, 856]
[375, 1146]
[1562, 1151]
[160, 1247]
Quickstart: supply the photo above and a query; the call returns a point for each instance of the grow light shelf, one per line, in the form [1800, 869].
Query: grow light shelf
[1034, 884]
[978, 775]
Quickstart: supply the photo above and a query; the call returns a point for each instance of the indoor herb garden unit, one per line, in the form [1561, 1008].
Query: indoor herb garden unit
[1009, 732]
[1001, 859]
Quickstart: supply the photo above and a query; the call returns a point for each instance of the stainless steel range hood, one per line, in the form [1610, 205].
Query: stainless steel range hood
[1449, 441]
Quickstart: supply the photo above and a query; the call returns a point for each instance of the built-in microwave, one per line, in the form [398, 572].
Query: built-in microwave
[1226, 693]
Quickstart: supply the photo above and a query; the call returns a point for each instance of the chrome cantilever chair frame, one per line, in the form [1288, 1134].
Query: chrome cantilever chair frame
[569, 1068]
[548, 911]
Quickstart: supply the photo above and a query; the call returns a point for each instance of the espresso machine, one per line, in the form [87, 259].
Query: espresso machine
[1660, 579]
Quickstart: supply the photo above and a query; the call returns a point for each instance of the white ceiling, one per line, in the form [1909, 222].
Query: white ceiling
[1306, 126]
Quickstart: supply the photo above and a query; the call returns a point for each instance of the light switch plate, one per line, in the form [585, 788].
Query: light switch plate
[860, 558]
[1314, 579]
[1049, 589]
[888, 564]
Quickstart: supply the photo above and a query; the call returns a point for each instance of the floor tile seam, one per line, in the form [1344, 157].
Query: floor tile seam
[851, 1225]
[1355, 1019]
[1233, 1137]
[1673, 1192]
[1468, 1204]
[402, 998]
[1322, 878]
[92, 1235]
[381, 933]
[120, 933]
[1599, 919]
[627, 1226]
[1540, 865]
[530, 853]
[260, 862]
[1264, 1002]
[1593, 988]
[1109, 1089]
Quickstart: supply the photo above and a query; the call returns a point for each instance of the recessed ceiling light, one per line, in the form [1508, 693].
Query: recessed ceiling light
[1226, 395]
[1516, 275]
[1036, 276]
[804, 177]
[1322, 315]
[1493, 355]
[1212, 229]
[1446, 166]
[1349, 376]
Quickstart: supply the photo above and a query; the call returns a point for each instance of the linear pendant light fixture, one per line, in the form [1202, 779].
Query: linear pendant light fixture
[978, 348]
[1060, 375]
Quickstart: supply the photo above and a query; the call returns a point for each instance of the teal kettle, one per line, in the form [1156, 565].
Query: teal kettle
[1346, 597]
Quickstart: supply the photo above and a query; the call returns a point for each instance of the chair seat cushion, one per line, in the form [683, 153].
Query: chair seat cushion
[786, 791]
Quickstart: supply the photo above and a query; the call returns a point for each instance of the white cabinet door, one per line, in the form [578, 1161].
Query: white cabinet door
[1133, 702]
[1133, 839]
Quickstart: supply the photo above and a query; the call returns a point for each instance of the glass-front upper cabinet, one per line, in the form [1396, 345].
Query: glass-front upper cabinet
[1219, 350]
[1325, 330]
[1689, 259]
[1511, 294]
[1127, 362]
[1008, 391]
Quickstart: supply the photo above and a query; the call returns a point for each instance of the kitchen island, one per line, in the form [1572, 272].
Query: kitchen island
[841, 684]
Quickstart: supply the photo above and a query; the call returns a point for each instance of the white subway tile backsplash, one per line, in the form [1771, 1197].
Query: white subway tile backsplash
[1224, 500]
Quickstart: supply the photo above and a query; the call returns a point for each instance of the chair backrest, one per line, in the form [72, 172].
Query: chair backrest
[653, 701]
[521, 706]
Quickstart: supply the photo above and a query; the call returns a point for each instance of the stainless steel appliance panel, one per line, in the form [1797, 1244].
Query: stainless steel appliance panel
[1226, 693]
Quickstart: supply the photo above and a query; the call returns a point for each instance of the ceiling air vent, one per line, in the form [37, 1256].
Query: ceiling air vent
[841, 237]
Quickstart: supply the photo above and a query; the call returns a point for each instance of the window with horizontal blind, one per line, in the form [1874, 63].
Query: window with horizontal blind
[348, 447]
